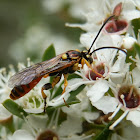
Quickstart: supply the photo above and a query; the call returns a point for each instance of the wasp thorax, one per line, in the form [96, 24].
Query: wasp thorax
[47, 135]
[100, 70]
[85, 51]
[129, 96]
[64, 56]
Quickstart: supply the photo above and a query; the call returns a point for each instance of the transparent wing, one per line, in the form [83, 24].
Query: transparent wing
[38, 70]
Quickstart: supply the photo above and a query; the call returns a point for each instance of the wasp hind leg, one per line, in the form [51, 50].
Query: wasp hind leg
[49, 86]
[65, 85]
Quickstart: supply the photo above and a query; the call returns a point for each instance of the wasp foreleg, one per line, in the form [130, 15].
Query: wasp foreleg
[84, 61]
[49, 86]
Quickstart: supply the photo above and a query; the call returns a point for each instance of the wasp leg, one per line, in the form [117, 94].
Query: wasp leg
[49, 86]
[65, 85]
[84, 61]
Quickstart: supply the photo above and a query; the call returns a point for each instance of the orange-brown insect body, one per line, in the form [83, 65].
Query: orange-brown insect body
[21, 90]
[25, 80]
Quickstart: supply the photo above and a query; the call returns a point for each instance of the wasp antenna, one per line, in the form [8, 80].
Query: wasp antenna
[108, 48]
[100, 32]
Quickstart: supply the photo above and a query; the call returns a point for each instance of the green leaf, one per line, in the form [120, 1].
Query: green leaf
[72, 99]
[131, 53]
[49, 53]
[104, 134]
[14, 108]
[136, 26]
[73, 75]
[137, 48]
[59, 89]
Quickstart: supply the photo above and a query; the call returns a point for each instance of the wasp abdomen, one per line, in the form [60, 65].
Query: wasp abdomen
[21, 90]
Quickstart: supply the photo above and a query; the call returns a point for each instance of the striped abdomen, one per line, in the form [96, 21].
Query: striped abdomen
[21, 90]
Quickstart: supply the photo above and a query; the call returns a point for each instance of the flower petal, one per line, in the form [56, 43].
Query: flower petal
[4, 113]
[22, 135]
[90, 116]
[72, 125]
[86, 39]
[106, 104]
[136, 76]
[37, 121]
[134, 116]
[34, 110]
[97, 90]
[119, 64]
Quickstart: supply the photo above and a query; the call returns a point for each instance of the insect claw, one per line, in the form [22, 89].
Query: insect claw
[65, 103]
[44, 106]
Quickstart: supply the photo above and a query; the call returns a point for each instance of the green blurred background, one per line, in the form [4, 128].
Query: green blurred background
[17, 17]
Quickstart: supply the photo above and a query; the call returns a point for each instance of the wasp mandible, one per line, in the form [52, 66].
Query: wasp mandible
[63, 64]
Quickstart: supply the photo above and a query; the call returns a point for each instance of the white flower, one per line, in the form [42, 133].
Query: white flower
[81, 109]
[4, 77]
[32, 102]
[4, 114]
[110, 70]
[128, 96]
[37, 126]
[6, 119]
[127, 12]
[21, 135]
[128, 42]
[104, 69]
[102, 9]
[127, 131]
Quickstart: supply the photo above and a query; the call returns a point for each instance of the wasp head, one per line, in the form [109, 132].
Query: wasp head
[87, 56]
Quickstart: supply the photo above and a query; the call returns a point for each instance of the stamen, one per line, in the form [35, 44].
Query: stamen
[52, 120]
[81, 74]
[41, 102]
[130, 93]
[34, 102]
[28, 62]
[135, 60]
[118, 120]
[122, 97]
[56, 118]
[89, 76]
[29, 105]
[3, 78]
[115, 112]
[30, 125]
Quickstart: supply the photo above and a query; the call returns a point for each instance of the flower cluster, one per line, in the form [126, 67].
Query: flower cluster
[99, 98]
[118, 88]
